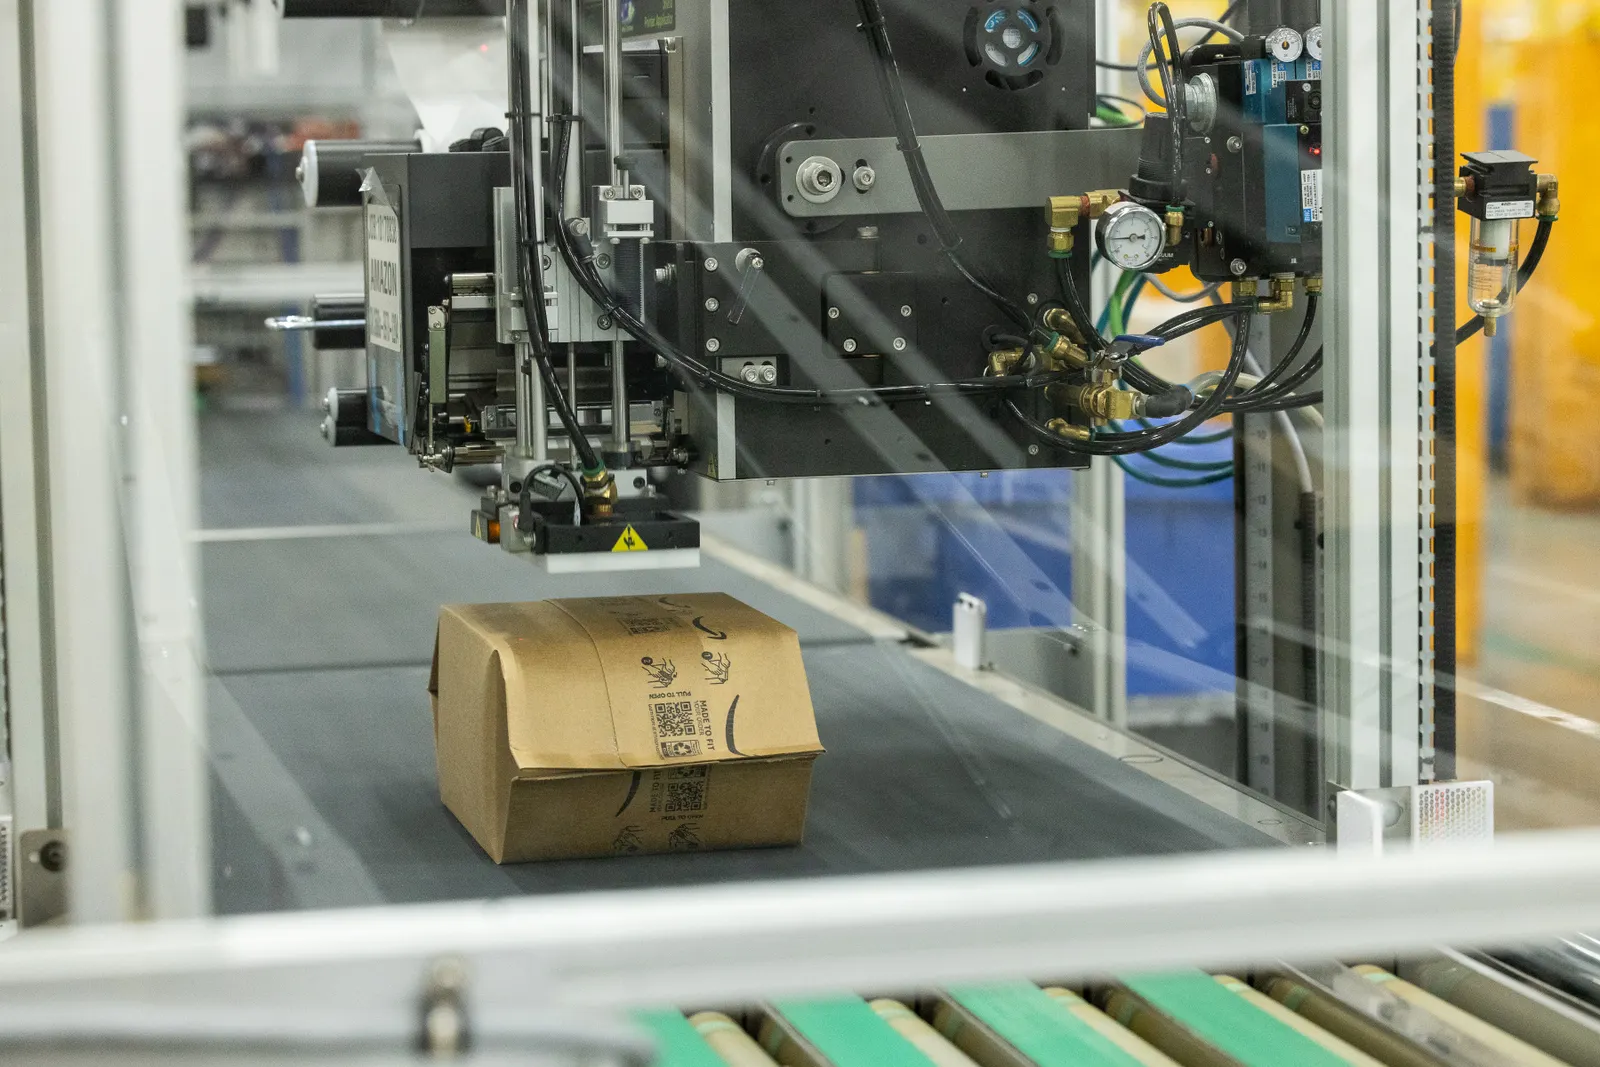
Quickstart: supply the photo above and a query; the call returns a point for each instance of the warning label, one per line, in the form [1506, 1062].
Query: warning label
[630, 541]
[1311, 195]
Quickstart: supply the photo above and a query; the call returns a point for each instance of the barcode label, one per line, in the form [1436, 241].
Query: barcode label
[675, 719]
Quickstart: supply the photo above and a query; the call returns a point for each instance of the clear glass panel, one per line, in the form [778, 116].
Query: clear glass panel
[1123, 497]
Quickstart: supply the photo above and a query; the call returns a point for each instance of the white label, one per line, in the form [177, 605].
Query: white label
[383, 277]
[1251, 86]
[1280, 74]
[1510, 209]
[1311, 195]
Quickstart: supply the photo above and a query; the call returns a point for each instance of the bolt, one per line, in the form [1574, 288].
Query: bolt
[1033, 298]
[608, 194]
[603, 261]
[711, 264]
[1236, 143]
[1305, 129]
[1238, 267]
[750, 373]
[579, 227]
[53, 856]
[604, 322]
[1033, 450]
[849, 344]
[865, 178]
[638, 192]
[833, 313]
[769, 374]
[712, 304]
[899, 344]
[905, 311]
[713, 345]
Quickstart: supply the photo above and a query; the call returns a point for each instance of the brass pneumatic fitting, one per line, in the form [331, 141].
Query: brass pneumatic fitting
[1062, 354]
[1059, 320]
[1063, 428]
[1282, 298]
[1067, 211]
[1003, 361]
[599, 494]
[1174, 226]
[1549, 197]
[1103, 401]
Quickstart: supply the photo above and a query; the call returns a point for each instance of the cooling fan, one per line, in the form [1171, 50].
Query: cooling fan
[1012, 42]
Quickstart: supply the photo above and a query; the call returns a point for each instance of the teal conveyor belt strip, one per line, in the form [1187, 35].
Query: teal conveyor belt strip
[1236, 1027]
[677, 1042]
[1039, 1027]
[849, 1033]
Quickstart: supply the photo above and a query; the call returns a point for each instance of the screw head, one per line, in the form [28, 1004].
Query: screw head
[1236, 143]
[833, 313]
[769, 374]
[865, 178]
[1305, 130]
[603, 261]
[637, 193]
[711, 264]
[1033, 450]
[713, 345]
[1238, 267]
[712, 304]
[579, 227]
[608, 194]
[849, 344]
[1033, 299]
[905, 311]
[751, 373]
[899, 344]
[604, 322]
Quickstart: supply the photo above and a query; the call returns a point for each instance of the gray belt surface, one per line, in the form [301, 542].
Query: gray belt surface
[322, 747]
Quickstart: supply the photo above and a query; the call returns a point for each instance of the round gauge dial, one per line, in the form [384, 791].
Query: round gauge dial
[1314, 43]
[1131, 235]
[1285, 45]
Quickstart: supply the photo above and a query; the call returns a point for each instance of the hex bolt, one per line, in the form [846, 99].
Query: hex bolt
[713, 345]
[905, 311]
[769, 374]
[711, 264]
[1238, 267]
[750, 373]
[849, 344]
[1236, 143]
[603, 261]
[865, 178]
[833, 313]
[712, 304]
[899, 344]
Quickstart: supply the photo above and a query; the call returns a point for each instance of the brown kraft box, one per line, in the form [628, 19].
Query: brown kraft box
[621, 725]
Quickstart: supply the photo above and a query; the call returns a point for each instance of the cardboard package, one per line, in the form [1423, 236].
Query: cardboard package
[619, 725]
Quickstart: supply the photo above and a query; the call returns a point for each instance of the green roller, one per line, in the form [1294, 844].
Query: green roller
[1194, 1004]
[834, 1032]
[677, 1043]
[1017, 1023]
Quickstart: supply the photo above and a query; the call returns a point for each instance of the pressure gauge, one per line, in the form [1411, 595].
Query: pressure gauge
[1285, 44]
[1314, 43]
[1131, 235]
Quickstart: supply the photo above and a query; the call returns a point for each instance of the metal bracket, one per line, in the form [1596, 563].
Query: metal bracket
[974, 171]
[41, 876]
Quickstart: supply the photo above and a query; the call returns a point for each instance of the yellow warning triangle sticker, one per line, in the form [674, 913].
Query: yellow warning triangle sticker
[630, 541]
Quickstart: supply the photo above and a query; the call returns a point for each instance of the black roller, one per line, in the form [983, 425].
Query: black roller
[330, 171]
[342, 308]
[387, 9]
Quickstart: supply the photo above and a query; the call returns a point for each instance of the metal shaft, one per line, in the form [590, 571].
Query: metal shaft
[613, 87]
[621, 431]
[533, 429]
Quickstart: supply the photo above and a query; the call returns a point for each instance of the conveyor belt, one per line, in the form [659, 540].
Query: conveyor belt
[322, 744]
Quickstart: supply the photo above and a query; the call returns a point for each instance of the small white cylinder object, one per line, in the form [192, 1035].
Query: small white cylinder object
[969, 624]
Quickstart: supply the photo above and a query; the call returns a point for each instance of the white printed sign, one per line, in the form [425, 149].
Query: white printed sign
[383, 278]
[1311, 195]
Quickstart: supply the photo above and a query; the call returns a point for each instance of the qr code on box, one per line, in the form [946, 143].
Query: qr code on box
[641, 625]
[674, 719]
[677, 749]
[686, 790]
